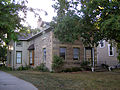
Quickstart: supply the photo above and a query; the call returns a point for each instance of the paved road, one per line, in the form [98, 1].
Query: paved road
[9, 82]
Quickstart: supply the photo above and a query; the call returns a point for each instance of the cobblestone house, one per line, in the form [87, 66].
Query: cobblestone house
[41, 48]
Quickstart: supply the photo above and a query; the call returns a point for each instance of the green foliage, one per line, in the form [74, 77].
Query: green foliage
[3, 53]
[89, 20]
[85, 65]
[42, 68]
[4, 68]
[27, 67]
[57, 63]
[11, 18]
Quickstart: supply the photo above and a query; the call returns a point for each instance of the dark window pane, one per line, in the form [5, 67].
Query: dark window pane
[44, 54]
[62, 52]
[76, 54]
[101, 43]
[111, 50]
[19, 43]
[111, 53]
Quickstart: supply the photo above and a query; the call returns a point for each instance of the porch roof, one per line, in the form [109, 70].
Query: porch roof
[31, 47]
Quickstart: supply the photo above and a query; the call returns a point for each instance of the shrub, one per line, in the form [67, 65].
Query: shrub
[27, 67]
[85, 65]
[4, 68]
[57, 63]
[42, 67]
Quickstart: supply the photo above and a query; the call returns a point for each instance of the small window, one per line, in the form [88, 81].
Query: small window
[102, 43]
[19, 44]
[110, 50]
[44, 54]
[63, 53]
[18, 57]
[76, 52]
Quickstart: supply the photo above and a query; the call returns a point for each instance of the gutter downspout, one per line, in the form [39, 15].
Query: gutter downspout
[93, 60]
[13, 55]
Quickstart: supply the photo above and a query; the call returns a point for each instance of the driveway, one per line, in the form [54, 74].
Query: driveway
[9, 82]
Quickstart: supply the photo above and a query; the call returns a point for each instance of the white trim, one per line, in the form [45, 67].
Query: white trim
[84, 53]
[103, 44]
[109, 50]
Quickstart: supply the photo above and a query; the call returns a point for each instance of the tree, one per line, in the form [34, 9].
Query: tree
[89, 20]
[3, 53]
[10, 19]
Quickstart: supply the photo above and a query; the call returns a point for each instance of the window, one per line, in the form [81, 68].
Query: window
[63, 53]
[44, 54]
[102, 43]
[76, 52]
[110, 50]
[31, 57]
[19, 57]
[19, 44]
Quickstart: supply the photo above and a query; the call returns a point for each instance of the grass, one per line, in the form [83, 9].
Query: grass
[71, 81]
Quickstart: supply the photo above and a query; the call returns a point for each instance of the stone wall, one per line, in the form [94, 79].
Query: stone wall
[42, 41]
[69, 62]
[11, 59]
[25, 56]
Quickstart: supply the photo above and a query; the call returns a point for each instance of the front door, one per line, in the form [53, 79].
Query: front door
[88, 54]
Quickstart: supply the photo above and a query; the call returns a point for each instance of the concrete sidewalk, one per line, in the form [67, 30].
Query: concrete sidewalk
[9, 82]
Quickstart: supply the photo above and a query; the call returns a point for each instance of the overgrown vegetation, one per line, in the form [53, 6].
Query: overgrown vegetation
[57, 63]
[4, 68]
[89, 20]
[12, 13]
[85, 65]
[3, 54]
[42, 68]
[27, 67]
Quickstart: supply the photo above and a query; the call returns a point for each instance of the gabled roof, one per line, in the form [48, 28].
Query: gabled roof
[26, 37]
[40, 33]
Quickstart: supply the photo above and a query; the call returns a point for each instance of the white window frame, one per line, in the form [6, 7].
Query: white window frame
[18, 57]
[109, 50]
[103, 44]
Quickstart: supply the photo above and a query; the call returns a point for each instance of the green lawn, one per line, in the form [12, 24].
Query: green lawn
[71, 81]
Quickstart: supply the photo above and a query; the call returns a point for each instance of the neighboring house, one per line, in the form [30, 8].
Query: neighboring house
[106, 54]
[40, 48]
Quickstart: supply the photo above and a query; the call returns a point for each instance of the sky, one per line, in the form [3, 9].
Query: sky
[40, 4]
